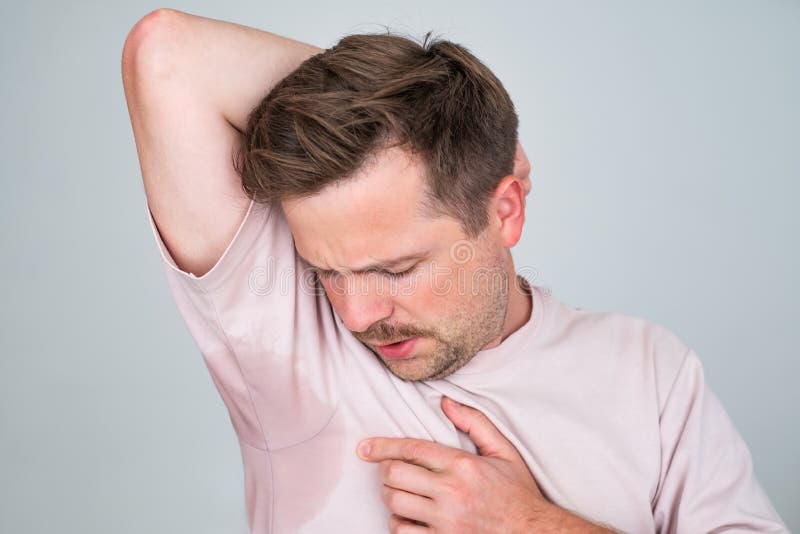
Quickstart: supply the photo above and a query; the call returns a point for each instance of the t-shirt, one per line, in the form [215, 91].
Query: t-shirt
[609, 411]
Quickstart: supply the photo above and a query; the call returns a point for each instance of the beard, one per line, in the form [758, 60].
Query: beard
[477, 318]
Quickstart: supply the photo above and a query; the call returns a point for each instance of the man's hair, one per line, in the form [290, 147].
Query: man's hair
[329, 117]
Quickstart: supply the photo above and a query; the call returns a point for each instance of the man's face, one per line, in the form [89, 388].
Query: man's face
[392, 274]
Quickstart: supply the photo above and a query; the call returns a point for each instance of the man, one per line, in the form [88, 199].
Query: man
[336, 226]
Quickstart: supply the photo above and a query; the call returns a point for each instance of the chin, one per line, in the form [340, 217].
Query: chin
[412, 369]
[415, 369]
[401, 369]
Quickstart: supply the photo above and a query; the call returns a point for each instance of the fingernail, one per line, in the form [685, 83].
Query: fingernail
[363, 448]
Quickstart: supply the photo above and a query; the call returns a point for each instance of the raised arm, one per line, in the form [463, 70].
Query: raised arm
[190, 82]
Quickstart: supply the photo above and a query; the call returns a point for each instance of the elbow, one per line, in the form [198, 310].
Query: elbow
[150, 43]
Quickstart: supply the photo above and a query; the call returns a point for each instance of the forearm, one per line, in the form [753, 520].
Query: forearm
[231, 65]
[556, 519]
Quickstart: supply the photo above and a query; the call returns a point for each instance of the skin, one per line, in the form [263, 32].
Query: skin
[460, 295]
[429, 487]
[185, 125]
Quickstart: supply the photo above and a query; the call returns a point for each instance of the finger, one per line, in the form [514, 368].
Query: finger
[407, 505]
[427, 454]
[408, 477]
[482, 432]
[401, 525]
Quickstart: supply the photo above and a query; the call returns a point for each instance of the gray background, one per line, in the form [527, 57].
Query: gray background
[664, 144]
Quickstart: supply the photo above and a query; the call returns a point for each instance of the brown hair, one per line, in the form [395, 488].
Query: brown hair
[328, 117]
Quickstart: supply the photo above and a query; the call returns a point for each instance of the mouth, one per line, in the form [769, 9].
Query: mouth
[399, 349]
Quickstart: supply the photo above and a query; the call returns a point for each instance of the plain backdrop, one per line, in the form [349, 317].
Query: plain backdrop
[665, 145]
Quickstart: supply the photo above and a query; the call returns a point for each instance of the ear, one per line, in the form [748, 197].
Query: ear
[508, 209]
[522, 168]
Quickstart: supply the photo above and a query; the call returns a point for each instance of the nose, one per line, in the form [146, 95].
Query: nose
[360, 306]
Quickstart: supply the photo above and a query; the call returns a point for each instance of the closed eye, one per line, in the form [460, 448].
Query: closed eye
[329, 274]
[400, 274]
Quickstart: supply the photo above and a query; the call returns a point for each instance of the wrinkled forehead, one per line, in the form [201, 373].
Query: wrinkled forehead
[376, 213]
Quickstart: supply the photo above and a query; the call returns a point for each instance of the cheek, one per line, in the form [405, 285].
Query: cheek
[425, 300]
[335, 296]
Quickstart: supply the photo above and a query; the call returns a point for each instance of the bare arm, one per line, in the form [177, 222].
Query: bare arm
[190, 83]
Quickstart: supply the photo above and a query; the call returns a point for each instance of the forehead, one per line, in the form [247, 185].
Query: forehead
[373, 215]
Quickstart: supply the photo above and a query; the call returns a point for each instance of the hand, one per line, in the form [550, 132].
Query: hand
[522, 168]
[449, 490]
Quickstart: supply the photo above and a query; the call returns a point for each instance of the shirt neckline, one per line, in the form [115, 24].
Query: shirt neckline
[516, 345]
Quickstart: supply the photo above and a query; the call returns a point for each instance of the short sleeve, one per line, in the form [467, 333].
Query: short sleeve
[706, 481]
[193, 298]
[252, 223]
[265, 329]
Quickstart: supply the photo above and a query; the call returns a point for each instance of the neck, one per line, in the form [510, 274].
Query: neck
[520, 308]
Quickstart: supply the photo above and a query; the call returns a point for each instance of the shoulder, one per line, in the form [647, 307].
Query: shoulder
[615, 330]
[627, 345]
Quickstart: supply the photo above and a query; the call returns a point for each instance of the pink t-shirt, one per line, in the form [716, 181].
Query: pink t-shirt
[609, 411]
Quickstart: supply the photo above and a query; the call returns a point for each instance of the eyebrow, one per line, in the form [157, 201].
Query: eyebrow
[383, 265]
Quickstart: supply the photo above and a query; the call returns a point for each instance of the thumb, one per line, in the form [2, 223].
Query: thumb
[482, 432]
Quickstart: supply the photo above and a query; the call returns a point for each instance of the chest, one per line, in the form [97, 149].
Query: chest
[593, 454]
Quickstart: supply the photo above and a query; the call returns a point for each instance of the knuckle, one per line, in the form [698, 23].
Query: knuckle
[454, 486]
[391, 471]
[481, 417]
[393, 500]
[383, 470]
[378, 446]
[412, 451]
[389, 496]
[464, 463]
